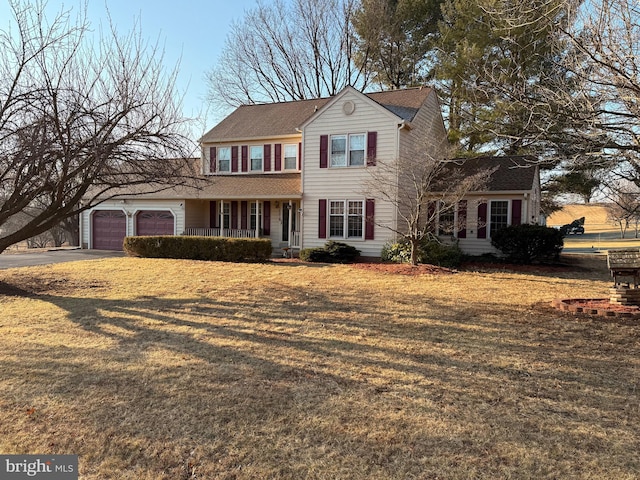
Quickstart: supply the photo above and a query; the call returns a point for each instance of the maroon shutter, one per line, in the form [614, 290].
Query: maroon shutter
[278, 157]
[234, 215]
[432, 218]
[212, 159]
[324, 151]
[266, 218]
[243, 215]
[234, 159]
[245, 160]
[516, 212]
[267, 158]
[482, 220]
[300, 156]
[372, 148]
[213, 214]
[369, 224]
[462, 219]
[322, 219]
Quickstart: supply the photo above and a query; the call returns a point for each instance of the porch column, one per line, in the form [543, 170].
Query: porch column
[290, 208]
[221, 218]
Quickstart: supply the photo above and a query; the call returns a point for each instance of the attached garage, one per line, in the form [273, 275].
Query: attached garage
[155, 222]
[109, 228]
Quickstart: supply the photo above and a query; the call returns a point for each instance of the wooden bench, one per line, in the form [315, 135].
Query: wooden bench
[624, 263]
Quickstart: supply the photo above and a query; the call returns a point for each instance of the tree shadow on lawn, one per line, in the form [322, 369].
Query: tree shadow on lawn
[244, 367]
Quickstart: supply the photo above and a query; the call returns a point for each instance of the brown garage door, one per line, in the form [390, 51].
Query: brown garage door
[152, 222]
[109, 229]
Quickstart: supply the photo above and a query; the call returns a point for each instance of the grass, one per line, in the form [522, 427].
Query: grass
[164, 369]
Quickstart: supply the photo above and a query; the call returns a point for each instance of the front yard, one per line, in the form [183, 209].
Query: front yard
[165, 369]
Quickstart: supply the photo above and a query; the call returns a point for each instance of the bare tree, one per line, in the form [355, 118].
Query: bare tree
[422, 187]
[623, 208]
[293, 51]
[80, 117]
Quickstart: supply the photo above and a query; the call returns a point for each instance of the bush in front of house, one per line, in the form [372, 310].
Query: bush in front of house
[430, 251]
[332, 252]
[200, 248]
[528, 243]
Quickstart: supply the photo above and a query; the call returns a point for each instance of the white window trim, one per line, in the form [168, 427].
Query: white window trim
[454, 234]
[491, 202]
[218, 169]
[250, 169]
[348, 150]
[345, 219]
[284, 157]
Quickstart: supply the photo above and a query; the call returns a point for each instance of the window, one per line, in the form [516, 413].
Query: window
[224, 159]
[256, 214]
[499, 216]
[446, 219]
[346, 218]
[347, 150]
[226, 214]
[290, 157]
[256, 159]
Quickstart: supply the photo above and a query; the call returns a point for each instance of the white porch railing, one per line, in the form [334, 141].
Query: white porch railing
[295, 239]
[221, 232]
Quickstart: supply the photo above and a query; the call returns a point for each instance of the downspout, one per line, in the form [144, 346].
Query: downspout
[301, 218]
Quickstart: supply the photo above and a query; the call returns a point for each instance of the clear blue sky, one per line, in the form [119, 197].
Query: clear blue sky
[193, 31]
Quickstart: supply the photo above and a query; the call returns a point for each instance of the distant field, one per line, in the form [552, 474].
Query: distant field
[595, 217]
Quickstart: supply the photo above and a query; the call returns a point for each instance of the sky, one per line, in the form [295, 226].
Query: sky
[193, 32]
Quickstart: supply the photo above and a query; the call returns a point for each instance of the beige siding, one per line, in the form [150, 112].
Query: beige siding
[291, 140]
[346, 183]
[131, 207]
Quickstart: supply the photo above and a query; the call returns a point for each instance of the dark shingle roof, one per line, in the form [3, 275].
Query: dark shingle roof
[276, 119]
[513, 173]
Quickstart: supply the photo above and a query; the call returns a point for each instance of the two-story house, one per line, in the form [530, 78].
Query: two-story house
[295, 172]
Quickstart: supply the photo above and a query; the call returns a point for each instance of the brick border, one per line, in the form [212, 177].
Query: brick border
[576, 306]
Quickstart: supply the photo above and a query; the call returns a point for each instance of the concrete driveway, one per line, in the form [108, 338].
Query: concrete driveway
[46, 257]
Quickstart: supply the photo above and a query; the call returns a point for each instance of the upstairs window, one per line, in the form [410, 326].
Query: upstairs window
[256, 158]
[347, 150]
[291, 157]
[224, 159]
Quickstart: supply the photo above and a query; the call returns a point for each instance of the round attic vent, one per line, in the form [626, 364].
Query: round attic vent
[348, 107]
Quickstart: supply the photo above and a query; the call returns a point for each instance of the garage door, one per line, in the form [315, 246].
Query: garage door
[152, 222]
[109, 229]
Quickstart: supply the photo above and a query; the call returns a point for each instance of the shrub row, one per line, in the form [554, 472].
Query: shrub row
[528, 243]
[332, 252]
[200, 248]
[430, 251]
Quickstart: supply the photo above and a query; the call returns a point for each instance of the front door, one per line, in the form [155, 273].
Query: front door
[285, 219]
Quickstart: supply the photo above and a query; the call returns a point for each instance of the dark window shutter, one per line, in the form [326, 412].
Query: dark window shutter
[213, 214]
[516, 212]
[369, 225]
[324, 151]
[243, 215]
[432, 218]
[372, 148]
[212, 159]
[234, 159]
[482, 220]
[300, 156]
[234, 215]
[322, 219]
[277, 157]
[462, 219]
[245, 158]
[267, 158]
[266, 218]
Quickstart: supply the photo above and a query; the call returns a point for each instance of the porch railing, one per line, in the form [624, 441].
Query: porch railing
[221, 232]
[295, 239]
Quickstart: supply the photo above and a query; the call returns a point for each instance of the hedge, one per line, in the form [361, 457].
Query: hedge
[199, 248]
[528, 243]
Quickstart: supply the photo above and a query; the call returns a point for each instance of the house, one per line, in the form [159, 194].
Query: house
[294, 172]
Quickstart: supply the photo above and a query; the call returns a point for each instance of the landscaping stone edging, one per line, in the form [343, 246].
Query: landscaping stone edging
[595, 306]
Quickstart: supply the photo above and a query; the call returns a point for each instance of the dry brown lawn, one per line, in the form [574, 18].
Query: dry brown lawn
[163, 369]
